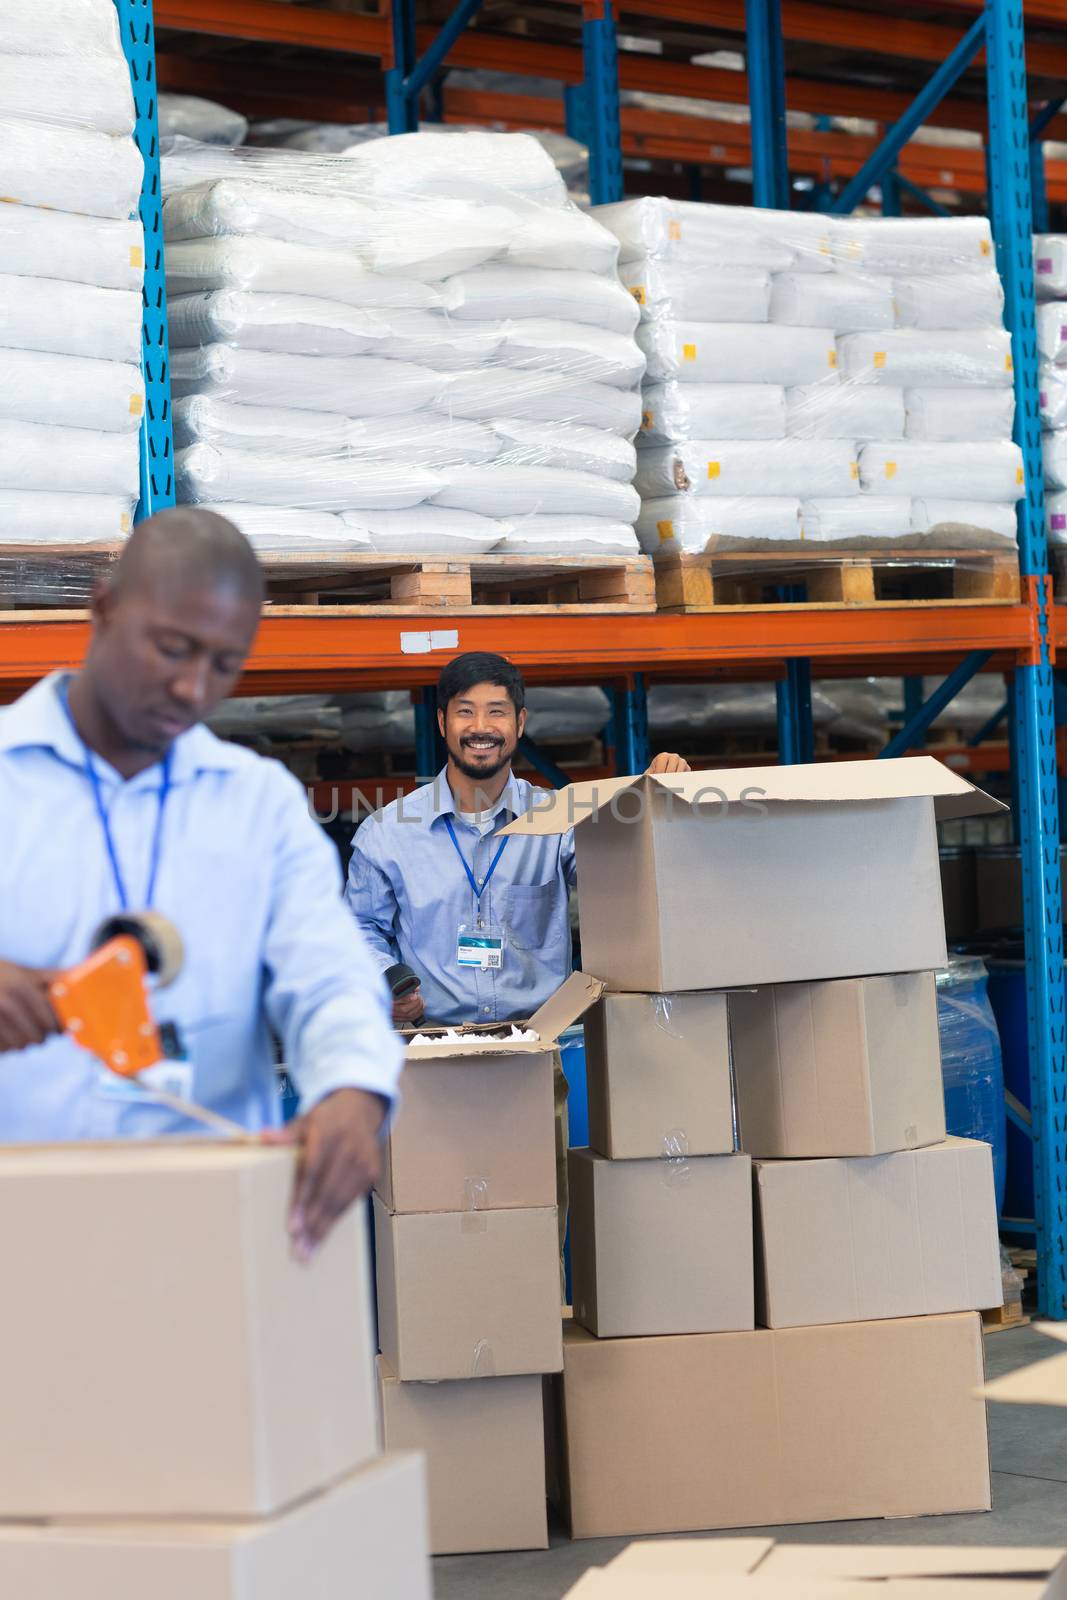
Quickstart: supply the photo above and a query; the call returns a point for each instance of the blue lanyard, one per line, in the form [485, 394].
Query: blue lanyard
[471, 879]
[105, 822]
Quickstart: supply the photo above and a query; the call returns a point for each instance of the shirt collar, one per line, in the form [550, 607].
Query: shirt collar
[443, 804]
[39, 721]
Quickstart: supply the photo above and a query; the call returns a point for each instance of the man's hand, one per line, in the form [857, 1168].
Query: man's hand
[667, 761]
[339, 1162]
[26, 1015]
[409, 1010]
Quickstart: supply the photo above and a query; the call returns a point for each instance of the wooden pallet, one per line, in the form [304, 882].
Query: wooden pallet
[883, 576]
[64, 575]
[997, 1318]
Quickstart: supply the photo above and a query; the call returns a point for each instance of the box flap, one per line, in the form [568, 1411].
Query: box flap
[705, 1557]
[474, 1046]
[605, 1583]
[909, 1561]
[570, 1001]
[821, 782]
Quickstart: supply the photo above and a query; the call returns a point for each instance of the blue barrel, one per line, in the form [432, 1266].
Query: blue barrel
[971, 1065]
[572, 1056]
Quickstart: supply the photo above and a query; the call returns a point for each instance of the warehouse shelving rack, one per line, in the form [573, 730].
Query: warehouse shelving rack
[300, 651]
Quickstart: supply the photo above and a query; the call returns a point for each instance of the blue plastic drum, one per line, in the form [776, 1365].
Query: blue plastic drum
[971, 1064]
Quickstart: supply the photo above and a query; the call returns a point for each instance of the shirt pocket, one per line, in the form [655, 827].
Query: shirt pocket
[529, 909]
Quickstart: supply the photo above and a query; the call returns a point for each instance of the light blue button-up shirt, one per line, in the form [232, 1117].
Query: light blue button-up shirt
[410, 895]
[252, 885]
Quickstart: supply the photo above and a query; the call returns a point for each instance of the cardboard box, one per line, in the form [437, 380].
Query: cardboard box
[471, 1294]
[476, 1124]
[708, 880]
[734, 1430]
[860, 1237]
[851, 1068]
[661, 1246]
[169, 1357]
[484, 1444]
[607, 1583]
[370, 1530]
[658, 1072]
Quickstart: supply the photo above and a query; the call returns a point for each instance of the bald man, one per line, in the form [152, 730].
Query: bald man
[113, 797]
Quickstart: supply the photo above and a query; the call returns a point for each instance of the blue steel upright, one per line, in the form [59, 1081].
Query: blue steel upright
[401, 108]
[1032, 692]
[600, 91]
[765, 60]
[157, 432]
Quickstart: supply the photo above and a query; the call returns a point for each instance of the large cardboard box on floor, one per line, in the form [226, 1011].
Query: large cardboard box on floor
[859, 1237]
[476, 1124]
[366, 1536]
[164, 1354]
[484, 1443]
[661, 1246]
[848, 1068]
[733, 1430]
[761, 874]
[658, 1073]
[468, 1294]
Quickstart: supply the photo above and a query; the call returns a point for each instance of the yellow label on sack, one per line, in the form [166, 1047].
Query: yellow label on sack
[646, 421]
[689, 352]
[879, 359]
[674, 230]
[136, 404]
[854, 469]
[124, 522]
[1019, 476]
[832, 359]
[665, 531]
[854, 249]
[638, 293]
[714, 469]
[1009, 365]
[890, 469]
[136, 256]
[987, 248]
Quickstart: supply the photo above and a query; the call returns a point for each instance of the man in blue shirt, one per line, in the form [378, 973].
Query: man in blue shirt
[112, 797]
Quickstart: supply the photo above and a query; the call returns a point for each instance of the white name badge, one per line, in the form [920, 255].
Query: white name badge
[481, 950]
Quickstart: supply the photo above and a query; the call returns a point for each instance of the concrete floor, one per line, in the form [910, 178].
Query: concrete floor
[1028, 1445]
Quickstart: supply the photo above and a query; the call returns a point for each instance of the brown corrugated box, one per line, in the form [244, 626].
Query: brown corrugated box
[369, 1530]
[485, 1457]
[715, 879]
[661, 1246]
[164, 1354]
[658, 1074]
[754, 1429]
[476, 1124]
[855, 1238]
[846, 1068]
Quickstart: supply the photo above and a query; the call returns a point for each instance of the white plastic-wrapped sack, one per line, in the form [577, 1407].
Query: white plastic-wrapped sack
[542, 397]
[714, 352]
[718, 236]
[953, 518]
[427, 530]
[205, 473]
[34, 455]
[690, 292]
[421, 441]
[562, 444]
[438, 239]
[950, 300]
[279, 530]
[1052, 390]
[70, 28]
[568, 535]
[562, 239]
[692, 524]
[1054, 451]
[431, 163]
[357, 386]
[246, 204]
[845, 411]
[73, 319]
[1050, 265]
[494, 293]
[274, 430]
[567, 712]
[29, 516]
[70, 391]
[102, 251]
[913, 247]
[676, 410]
[990, 471]
[275, 266]
[69, 169]
[958, 415]
[501, 491]
[789, 467]
[591, 355]
[298, 324]
[90, 92]
[1052, 332]
[189, 117]
[910, 359]
[1056, 516]
[865, 516]
[847, 302]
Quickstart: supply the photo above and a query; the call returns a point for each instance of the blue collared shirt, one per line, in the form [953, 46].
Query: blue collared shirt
[251, 884]
[410, 895]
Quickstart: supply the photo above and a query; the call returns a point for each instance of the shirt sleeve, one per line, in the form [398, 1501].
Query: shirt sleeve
[371, 898]
[325, 996]
[566, 859]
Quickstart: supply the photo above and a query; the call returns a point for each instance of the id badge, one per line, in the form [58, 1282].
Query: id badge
[482, 948]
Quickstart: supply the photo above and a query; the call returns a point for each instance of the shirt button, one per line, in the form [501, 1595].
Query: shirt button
[486, 1010]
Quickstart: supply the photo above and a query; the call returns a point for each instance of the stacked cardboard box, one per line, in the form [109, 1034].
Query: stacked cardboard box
[466, 1230]
[813, 892]
[186, 1409]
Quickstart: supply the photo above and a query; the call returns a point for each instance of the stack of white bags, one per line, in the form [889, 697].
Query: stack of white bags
[818, 380]
[418, 346]
[71, 273]
[1050, 276]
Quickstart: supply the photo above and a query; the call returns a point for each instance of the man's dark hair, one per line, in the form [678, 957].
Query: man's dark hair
[480, 666]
